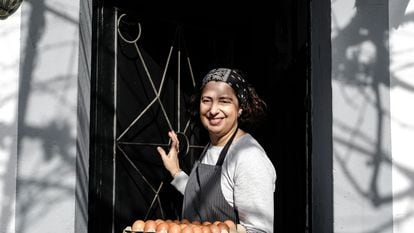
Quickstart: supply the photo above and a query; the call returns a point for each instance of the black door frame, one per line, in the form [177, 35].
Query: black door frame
[318, 196]
[102, 139]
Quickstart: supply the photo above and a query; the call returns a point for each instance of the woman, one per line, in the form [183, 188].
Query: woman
[233, 179]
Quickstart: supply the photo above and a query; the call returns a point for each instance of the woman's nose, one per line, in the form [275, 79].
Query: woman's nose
[214, 109]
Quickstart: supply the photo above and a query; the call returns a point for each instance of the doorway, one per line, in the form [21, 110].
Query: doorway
[146, 63]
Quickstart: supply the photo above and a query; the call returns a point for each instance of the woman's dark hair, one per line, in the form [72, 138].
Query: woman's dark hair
[253, 107]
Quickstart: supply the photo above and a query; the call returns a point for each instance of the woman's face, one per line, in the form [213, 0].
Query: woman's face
[219, 108]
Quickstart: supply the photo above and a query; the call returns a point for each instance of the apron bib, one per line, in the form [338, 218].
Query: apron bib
[203, 197]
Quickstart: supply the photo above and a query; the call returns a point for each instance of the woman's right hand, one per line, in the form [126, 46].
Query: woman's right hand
[170, 160]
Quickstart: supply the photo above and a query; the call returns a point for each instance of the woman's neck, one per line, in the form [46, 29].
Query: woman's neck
[222, 140]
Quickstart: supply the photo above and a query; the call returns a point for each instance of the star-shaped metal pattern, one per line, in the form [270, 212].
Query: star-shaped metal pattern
[182, 131]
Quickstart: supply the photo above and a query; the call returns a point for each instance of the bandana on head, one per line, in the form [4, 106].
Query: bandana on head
[231, 77]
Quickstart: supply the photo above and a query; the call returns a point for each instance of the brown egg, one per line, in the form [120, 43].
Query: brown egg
[185, 221]
[216, 223]
[158, 221]
[223, 227]
[231, 224]
[173, 223]
[138, 225]
[163, 227]
[187, 229]
[174, 228]
[150, 226]
[196, 222]
[214, 228]
[183, 225]
[196, 228]
[205, 229]
[206, 223]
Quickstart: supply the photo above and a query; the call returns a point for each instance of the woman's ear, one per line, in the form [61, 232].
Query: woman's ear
[240, 112]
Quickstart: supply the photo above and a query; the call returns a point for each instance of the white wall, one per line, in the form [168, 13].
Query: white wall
[402, 113]
[361, 123]
[9, 79]
[45, 196]
[44, 117]
[373, 116]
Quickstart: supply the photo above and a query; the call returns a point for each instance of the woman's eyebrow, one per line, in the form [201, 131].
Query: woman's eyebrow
[225, 98]
[220, 97]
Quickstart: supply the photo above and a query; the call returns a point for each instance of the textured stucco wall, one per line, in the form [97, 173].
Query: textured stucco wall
[9, 81]
[372, 96]
[402, 112]
[44, 175]
[46, 165]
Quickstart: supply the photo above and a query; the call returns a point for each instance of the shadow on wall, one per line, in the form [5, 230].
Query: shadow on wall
[360, 70]
[47, 143]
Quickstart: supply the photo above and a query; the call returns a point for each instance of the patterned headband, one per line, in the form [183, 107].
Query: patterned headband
[231, 77]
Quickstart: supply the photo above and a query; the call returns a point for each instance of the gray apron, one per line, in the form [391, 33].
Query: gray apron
[203, 197]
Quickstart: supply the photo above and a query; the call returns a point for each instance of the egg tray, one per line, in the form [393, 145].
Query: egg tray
[240, 229]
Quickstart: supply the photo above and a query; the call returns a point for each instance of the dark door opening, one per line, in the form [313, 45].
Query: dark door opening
[270, 44]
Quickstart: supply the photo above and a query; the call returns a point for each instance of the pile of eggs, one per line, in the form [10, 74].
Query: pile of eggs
[183, 226]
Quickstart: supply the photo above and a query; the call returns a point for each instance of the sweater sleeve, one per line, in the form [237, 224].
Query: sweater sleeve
[180, 181]
[254, 188]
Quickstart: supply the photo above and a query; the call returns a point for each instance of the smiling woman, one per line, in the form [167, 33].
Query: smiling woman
[233, 178]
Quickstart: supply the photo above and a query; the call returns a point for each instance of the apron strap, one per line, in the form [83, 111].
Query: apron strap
[220, 161]
[223, 152]
[222, 156]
